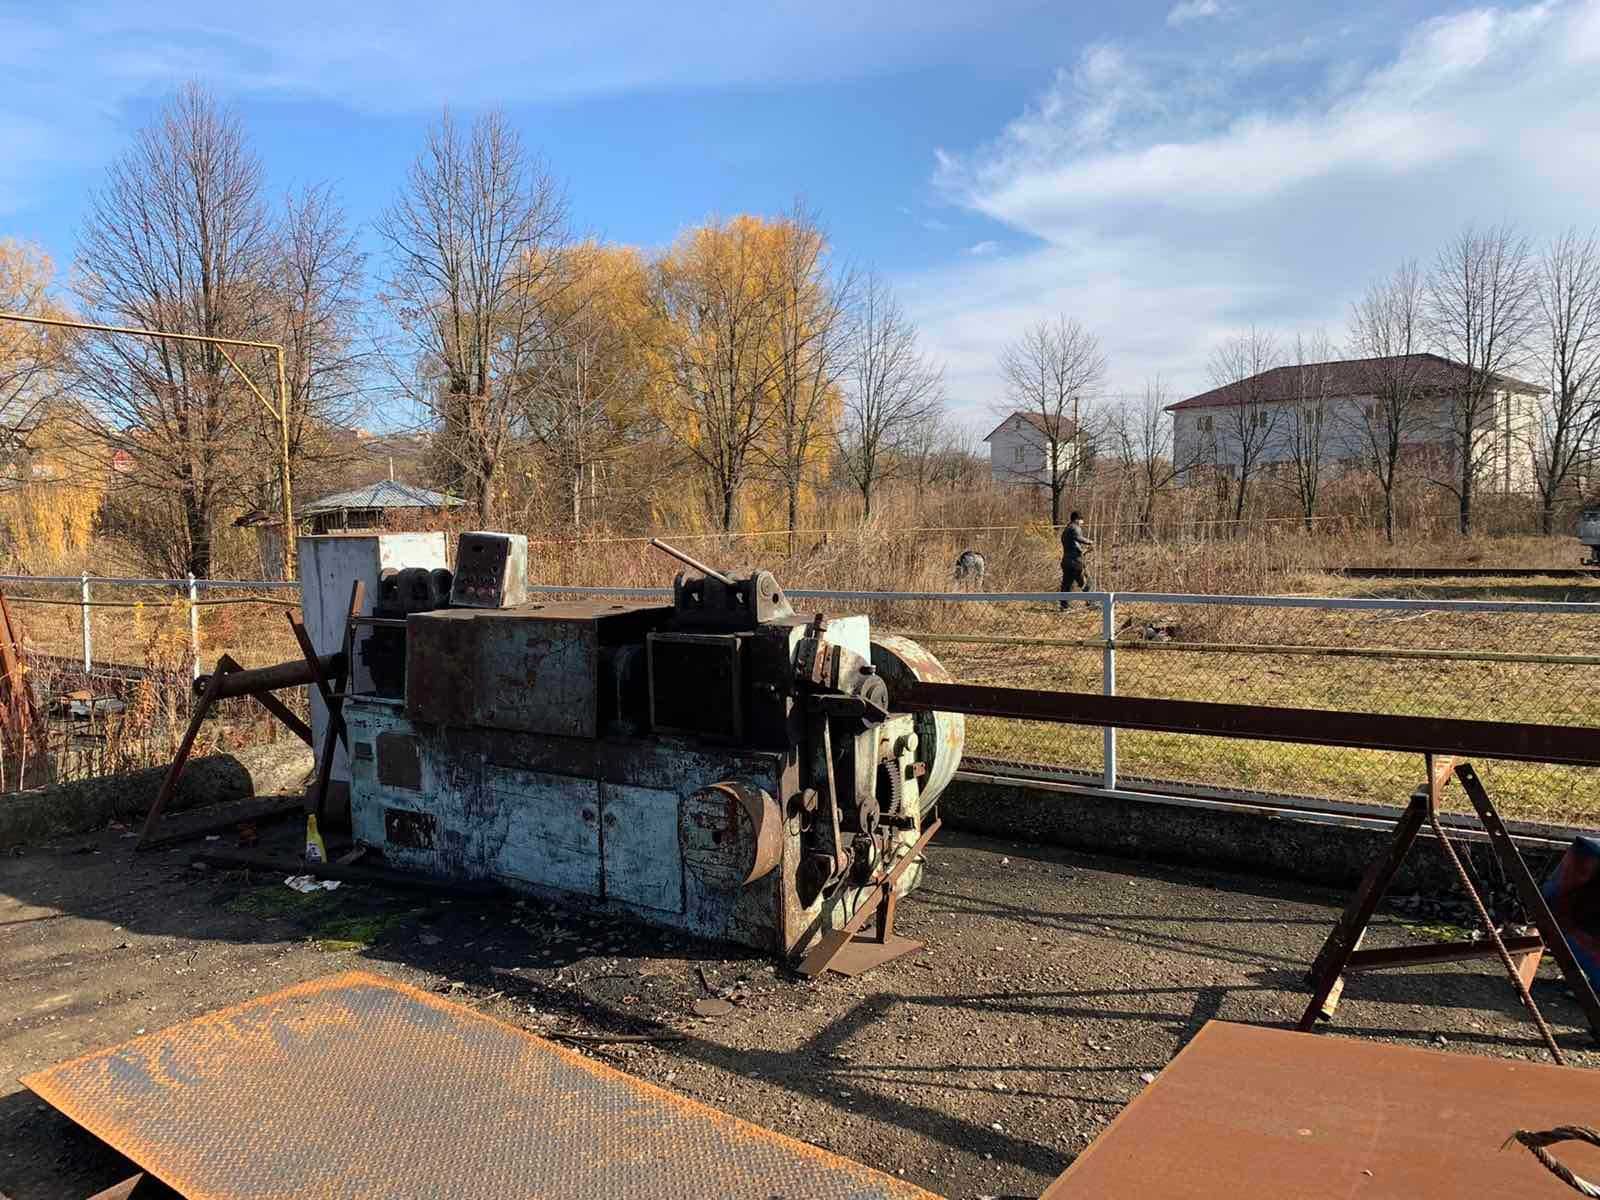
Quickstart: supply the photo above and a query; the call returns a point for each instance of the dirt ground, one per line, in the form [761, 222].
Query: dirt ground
[1053, 987]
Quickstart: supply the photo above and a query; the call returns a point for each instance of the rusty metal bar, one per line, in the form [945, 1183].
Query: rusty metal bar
[1378, 652]
[1570, 745]
[693, 563]
[297, 673]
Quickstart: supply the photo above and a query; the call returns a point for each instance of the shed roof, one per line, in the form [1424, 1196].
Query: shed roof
[386, 493]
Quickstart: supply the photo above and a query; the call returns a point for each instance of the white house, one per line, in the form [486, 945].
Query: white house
[1019, 448]
[1270, 410]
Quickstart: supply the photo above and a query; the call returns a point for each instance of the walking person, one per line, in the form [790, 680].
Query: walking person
[1073, 547]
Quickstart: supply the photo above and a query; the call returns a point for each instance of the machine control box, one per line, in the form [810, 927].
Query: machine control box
[491, 571]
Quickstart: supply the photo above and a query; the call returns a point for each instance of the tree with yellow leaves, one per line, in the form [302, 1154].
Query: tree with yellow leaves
[749, 336]
[591, 384]
[31, 356]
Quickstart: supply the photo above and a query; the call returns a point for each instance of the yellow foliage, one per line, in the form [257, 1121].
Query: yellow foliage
[742, 306]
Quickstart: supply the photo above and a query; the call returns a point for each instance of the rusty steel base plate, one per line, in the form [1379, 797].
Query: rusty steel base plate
[356, 1085]
[1245, 1113]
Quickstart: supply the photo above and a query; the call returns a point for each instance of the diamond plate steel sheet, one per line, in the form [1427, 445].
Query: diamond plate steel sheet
[356, 1085]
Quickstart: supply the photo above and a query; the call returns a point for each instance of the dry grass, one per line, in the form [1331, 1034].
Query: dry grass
[911, 545]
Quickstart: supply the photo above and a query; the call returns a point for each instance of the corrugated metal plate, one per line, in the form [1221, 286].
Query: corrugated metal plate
[356, 1085]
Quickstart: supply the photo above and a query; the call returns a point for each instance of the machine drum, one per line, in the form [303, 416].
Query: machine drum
[730, 834]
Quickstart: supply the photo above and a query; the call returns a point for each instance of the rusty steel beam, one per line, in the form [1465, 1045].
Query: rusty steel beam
[1571, 745]
[296, 673]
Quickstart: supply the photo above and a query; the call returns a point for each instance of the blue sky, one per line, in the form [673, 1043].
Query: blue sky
[1165, 172]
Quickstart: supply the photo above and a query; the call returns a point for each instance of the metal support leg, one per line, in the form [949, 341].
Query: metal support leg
[1533, 902]
[1108, 631]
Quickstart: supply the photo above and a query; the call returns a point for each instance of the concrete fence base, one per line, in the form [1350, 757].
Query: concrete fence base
[1246, 838]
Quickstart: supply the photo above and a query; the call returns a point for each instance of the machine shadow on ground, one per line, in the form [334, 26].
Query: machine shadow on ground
[986, 1054]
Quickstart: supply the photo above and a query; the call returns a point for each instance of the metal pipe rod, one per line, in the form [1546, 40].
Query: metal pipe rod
[690, 562]
[295, 673]
[1567, 744]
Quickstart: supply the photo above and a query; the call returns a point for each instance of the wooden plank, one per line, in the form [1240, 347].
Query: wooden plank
[1440, 952]
[1345, 936]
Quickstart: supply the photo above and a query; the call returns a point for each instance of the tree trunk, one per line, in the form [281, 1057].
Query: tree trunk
[1547, 514]
[1238, 500]
[1466, 493]
[577, 499]
[198, 522]
[729, 505]
[794, 515]
[1388, 514]
[866, 500]
[1055, 504]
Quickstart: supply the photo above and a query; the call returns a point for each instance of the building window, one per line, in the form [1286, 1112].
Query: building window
[1019, 454]
[1203, 424]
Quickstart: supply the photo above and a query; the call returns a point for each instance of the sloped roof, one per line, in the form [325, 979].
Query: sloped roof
[1036, 420]
[386, 493]
[1345, 377]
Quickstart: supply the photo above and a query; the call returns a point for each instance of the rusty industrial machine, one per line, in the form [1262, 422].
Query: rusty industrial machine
[722, 765]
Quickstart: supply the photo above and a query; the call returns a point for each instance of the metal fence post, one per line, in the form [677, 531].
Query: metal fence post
[1108, 631]
[194, 627]
[88, 636]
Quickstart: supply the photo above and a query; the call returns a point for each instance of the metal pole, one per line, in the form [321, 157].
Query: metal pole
[194, 628]
[281, 414]
[88, 637]
[285, 472]
[1108, 631]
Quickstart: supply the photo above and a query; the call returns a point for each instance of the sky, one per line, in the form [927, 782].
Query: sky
[1168, 173]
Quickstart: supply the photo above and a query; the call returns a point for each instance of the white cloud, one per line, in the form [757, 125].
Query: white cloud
[1213, 202]
[981, 249]
[1186, 11]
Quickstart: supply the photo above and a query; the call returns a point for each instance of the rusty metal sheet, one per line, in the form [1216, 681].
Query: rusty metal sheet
[356, 1085]
[1248, 1113]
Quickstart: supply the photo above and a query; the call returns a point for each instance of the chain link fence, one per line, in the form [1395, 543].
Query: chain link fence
[110, 664]
[1533, 662]
[1530, 660]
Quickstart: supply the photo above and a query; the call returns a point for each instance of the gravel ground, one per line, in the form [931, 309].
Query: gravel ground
[1053, 988]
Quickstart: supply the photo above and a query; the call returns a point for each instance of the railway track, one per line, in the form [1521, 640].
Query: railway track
[1466, 572]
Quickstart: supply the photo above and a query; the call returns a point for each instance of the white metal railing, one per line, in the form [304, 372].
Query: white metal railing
[1108, 601]
[188, 588]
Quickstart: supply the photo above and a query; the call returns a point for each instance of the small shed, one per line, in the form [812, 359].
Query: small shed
[366, 507]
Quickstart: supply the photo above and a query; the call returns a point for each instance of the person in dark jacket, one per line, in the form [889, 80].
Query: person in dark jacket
[1073, 547]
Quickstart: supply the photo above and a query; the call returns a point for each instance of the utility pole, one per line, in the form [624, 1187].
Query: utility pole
[280, 413]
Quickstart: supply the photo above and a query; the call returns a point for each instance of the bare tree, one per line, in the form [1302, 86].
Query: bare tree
[177, 239]
[717, 318]
[1386, 340]
[1051, 372]
[1569, 414]
[474, 241]
[1249, 422]
[811, 354]
[1151, 464]
[32, 357]
[1310, 419]
[1482, 306]
[894, 394]
[316, 284]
